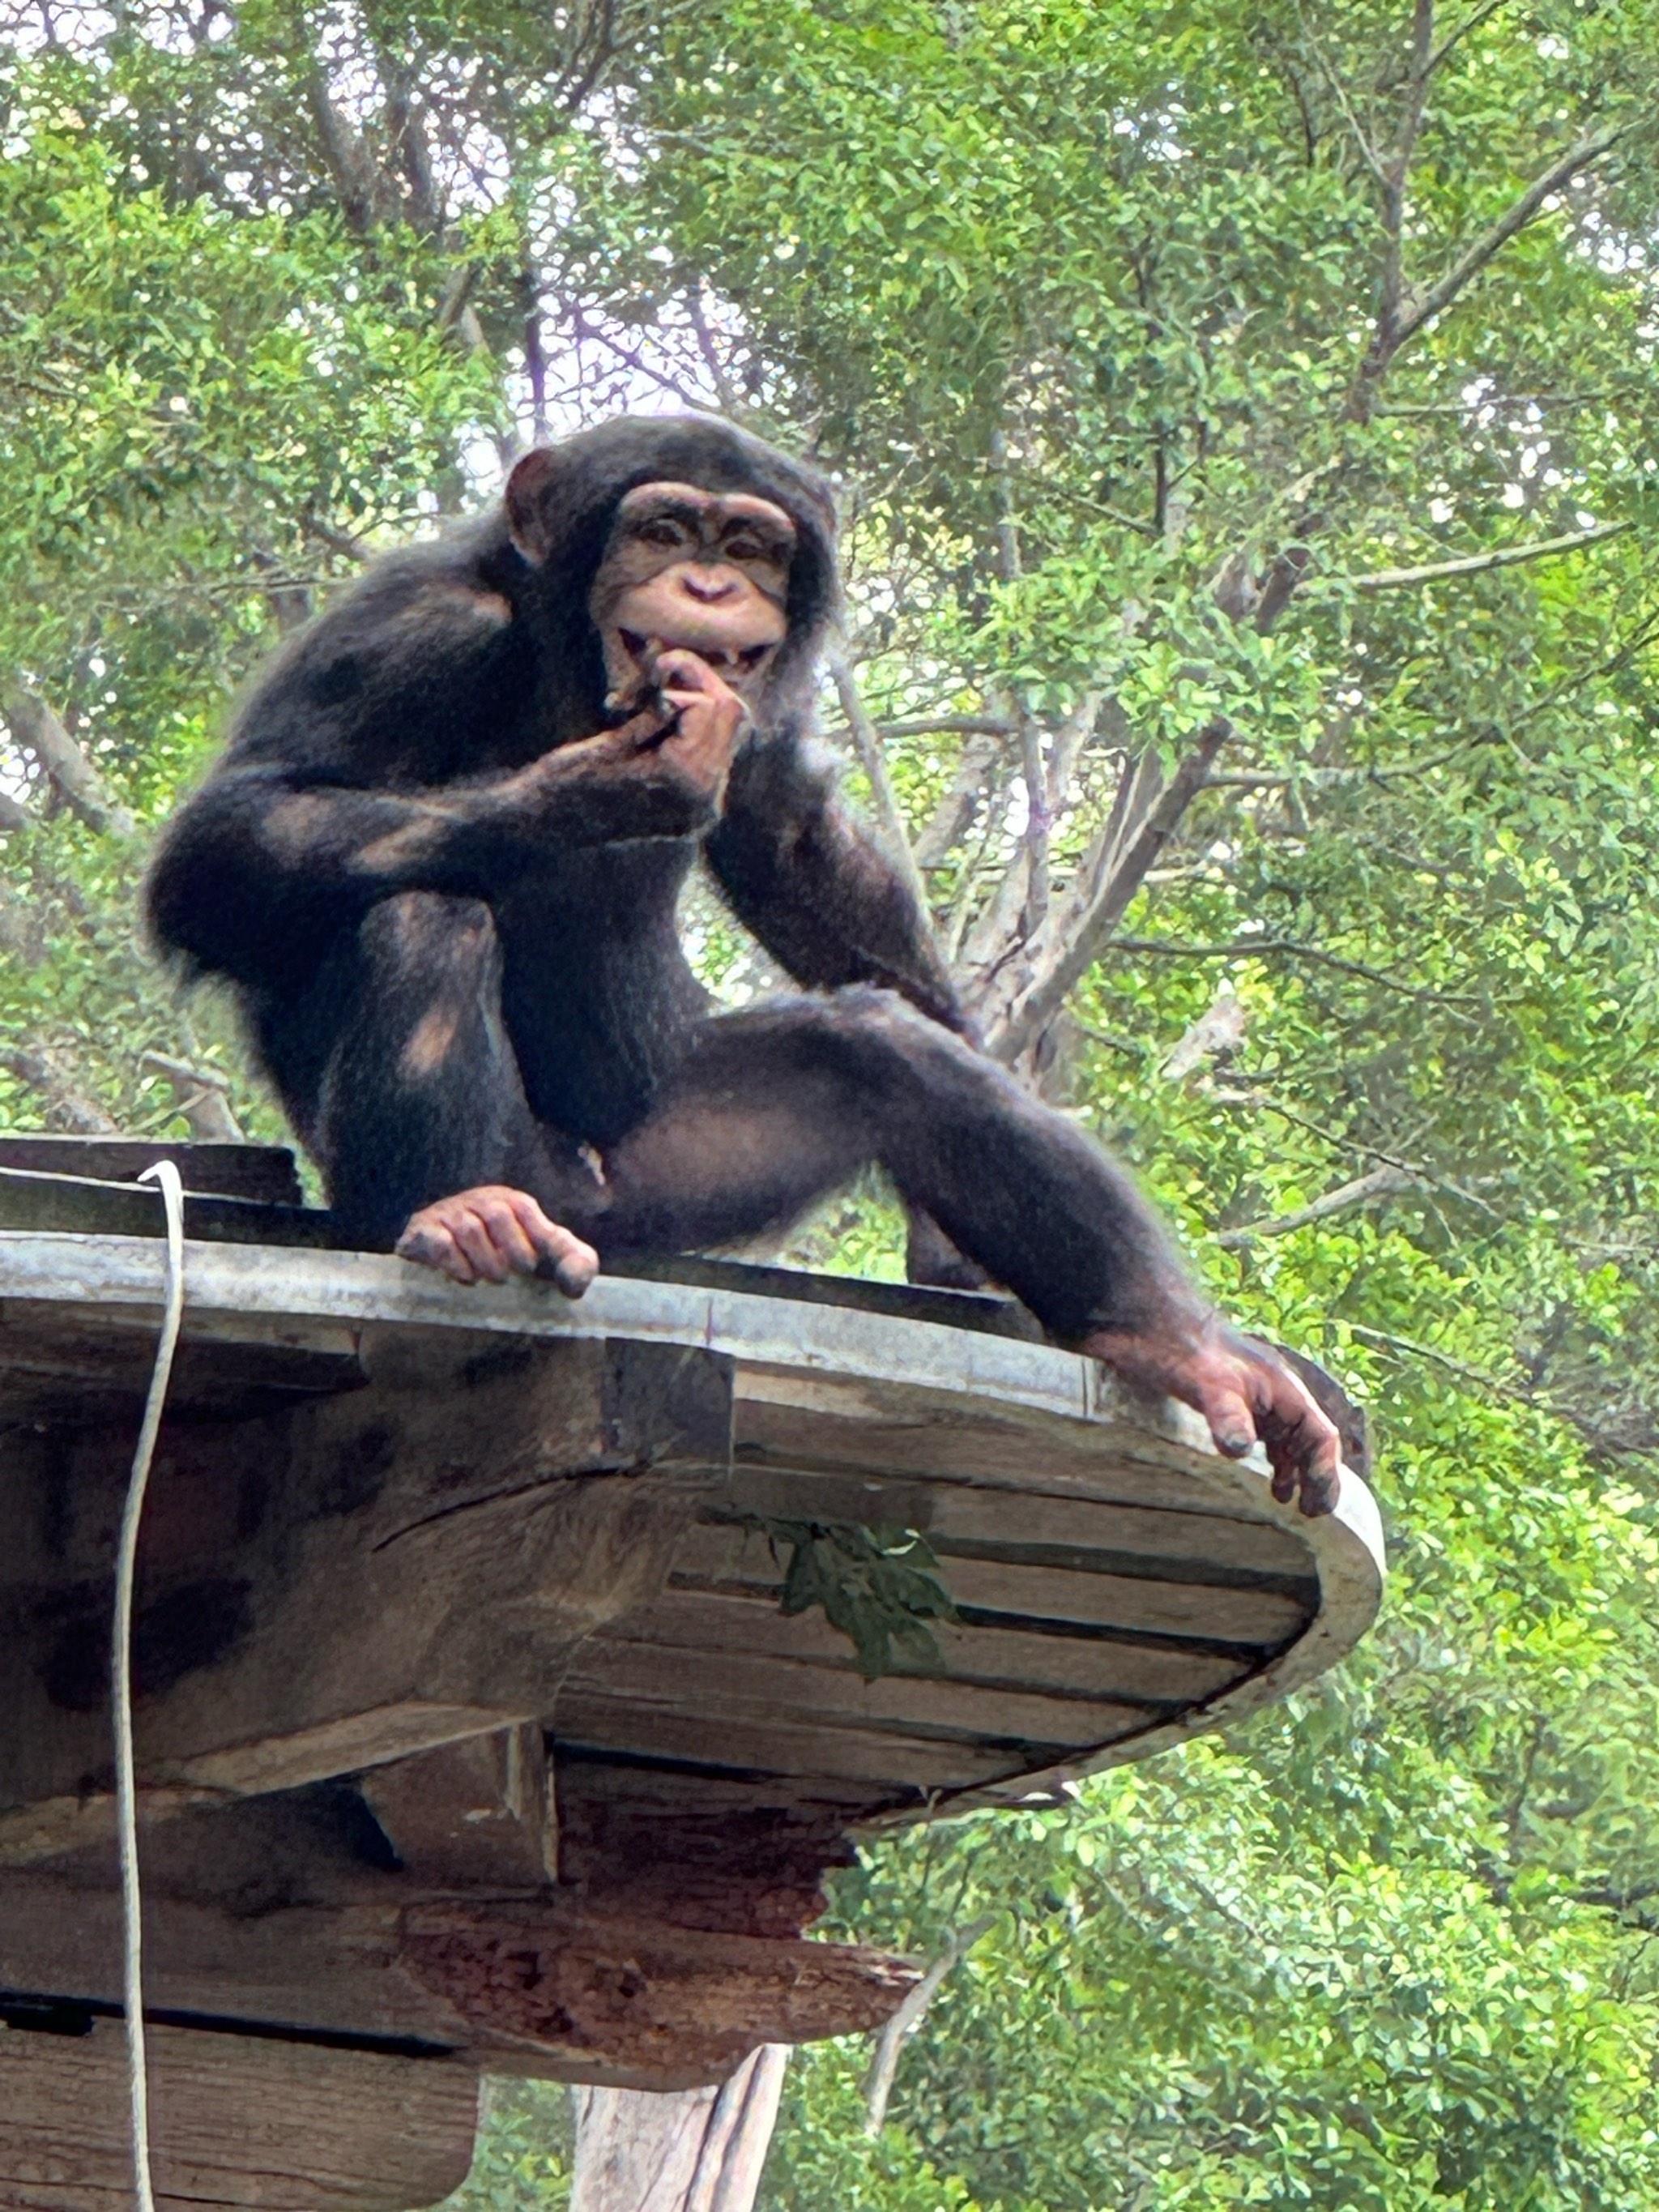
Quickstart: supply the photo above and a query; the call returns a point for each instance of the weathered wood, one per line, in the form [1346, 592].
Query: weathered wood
[742, 1686]
[684, 1623]
[610, 1996]
[266, 1173]
[953, 1513]
[552, 1987]
[900, 1769]
[477, 1814]
[701, 2151]
[368, 1576]
[737, 1558]
[32, 1200]
[264, 2125]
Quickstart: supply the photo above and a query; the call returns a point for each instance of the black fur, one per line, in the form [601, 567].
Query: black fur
[452, 985]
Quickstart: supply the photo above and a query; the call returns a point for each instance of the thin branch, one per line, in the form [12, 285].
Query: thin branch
[1251, 947]
[68, 1107]
[1365, 1190]
[866, 744]
[1038, 822]
[1513, 220]
[200, 1095]
[1471, 22]
[1472, 564]
[72, 776]
[724, 391]
[1081, 942]
[952, 817]
[947, 725]
[878, 2082]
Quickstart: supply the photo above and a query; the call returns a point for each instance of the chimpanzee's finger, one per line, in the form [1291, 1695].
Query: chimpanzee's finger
[573, 1262]
[429, 1244]
[507, 1232]
[1302, 1444]
[472, 1232]
[1227, 1410]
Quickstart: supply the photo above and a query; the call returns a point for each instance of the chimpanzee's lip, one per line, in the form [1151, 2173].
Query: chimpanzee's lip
[726, 661]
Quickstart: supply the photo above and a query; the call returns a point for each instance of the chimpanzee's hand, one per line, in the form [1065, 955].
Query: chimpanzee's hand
[660, 773]
[1246, 1393]
[492, 1232]
[709, 720]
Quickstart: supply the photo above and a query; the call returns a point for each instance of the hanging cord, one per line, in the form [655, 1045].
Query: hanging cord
[165, 1174]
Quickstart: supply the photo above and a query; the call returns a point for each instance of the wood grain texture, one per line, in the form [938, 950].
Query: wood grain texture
[272, 2127]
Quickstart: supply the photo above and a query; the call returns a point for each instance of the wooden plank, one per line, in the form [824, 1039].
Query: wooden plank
[546, 1988]
[899, 1766]
[1152, 1675]
[267, 2126]
[620, 1995]
[831, 1693]
[830, 1427]
[264, 1172]
[37, 1201]
[1022, 1514]
[716, 1558]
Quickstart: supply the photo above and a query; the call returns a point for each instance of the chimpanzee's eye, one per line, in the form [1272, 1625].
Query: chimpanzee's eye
[662, 532]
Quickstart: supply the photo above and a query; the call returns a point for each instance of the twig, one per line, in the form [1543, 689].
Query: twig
[200, 1096]
[1080, 940]
[1380, 1182]
[868, 746]
[878, 2082]
[72, 776]
[1472, 564]
[1248, 947]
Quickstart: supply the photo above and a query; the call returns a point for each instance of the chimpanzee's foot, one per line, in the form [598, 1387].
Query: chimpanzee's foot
[1246, 1393]
[492, 1232]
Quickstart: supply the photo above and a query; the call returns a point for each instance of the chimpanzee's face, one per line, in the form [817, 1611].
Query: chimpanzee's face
[706, 571]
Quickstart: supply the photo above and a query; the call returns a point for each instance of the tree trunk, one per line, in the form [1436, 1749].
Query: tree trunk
[701, 2150]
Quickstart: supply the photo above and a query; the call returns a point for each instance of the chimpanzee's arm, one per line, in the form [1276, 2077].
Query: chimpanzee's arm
[817, 888]
[345, 782]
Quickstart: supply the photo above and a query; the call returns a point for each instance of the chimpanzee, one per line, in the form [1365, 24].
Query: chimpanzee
[439, 859]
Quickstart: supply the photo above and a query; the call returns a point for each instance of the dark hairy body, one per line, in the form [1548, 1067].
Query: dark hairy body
[440, 860]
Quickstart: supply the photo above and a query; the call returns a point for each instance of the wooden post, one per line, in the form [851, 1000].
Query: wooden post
[701, 2150]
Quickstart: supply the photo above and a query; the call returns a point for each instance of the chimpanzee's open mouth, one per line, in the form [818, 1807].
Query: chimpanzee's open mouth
[731, 662]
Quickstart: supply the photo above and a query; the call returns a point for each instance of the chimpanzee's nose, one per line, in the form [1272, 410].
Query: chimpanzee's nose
[709, 585]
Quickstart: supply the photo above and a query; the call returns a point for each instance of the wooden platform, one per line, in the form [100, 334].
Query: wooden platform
[471, 1730]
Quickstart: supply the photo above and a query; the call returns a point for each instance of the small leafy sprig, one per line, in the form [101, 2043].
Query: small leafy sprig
[880, 1587]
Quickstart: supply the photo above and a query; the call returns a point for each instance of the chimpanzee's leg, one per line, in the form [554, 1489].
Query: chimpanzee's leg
[778, 1104]
[399, 1075]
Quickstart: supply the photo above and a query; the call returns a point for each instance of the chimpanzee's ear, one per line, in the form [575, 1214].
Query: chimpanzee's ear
[530, 504]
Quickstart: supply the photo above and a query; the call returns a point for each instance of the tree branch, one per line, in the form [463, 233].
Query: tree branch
[201, 1096]
[1251, 947]
[1395, 331]
[1380, 1182]
[878, 2081]
[951, 818]
[866, 744]
[1506, 556]
[70, 774]
[68, 1107]
[1080, 941]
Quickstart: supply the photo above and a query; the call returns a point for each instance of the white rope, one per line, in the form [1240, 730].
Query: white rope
[165, 1174]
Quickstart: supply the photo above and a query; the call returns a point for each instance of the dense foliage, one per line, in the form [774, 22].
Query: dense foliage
[1292, 366]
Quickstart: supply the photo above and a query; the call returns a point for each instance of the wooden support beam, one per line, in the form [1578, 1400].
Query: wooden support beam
[264, 2125]
[359, 1579]
[475, 1815]
[550, 1988]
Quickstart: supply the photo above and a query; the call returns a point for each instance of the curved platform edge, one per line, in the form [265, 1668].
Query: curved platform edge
[300, 1290]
